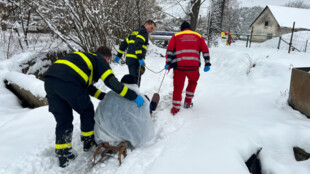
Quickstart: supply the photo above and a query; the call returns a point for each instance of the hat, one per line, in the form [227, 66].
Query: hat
[129, 79]
[105, 51]
[185, 25]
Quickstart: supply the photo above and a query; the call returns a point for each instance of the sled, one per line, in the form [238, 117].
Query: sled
[154, 102]
[110, 151]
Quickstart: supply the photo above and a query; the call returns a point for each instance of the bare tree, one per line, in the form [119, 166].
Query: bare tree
[81, 24]
[298, 4]
[215, 21]
[195, 7]
[231, 16]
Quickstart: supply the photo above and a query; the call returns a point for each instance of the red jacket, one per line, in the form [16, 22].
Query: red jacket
[183, 51]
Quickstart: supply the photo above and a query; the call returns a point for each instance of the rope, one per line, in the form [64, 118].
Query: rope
[154, 71]
[162, 81]
[139, 76]
[147, 68]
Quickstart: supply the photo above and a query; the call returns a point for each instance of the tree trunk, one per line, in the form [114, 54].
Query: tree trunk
[195, 6]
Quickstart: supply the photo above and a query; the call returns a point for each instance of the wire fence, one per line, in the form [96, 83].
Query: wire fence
[300, 41]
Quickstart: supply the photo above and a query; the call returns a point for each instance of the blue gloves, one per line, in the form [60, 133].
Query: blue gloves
[207, 68]
[116, 59]
[139, 100]
[141, 62]
[166, 66]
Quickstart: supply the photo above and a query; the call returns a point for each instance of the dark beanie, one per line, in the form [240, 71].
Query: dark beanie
[129, 79]
[105, 51]
[185, 25]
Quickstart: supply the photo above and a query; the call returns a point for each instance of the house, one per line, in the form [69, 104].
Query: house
[278, 20]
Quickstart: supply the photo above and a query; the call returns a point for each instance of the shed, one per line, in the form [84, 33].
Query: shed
[278, 20]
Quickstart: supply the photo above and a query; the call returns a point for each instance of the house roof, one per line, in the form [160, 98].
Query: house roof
[285, 16]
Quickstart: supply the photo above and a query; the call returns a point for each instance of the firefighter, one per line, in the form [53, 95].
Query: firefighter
[68, 83]
[136, 43]
[183, 55]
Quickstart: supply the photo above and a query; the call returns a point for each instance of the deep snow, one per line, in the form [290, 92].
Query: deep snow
[237, 110]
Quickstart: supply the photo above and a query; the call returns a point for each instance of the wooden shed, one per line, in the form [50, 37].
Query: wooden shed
[278, 20]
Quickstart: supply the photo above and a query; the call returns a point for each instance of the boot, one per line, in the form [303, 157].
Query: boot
[88, 142]
[186, 105]
[174, 110]
[64, 155]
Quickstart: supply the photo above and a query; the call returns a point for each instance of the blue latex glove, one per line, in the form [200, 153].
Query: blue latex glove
[141, 62]
[139, 100]
[207, 68]
[116, 59]
[166, 66]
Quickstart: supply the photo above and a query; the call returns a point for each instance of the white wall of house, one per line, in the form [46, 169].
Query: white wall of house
[265, 24]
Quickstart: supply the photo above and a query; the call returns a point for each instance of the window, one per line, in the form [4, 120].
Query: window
[266, 24]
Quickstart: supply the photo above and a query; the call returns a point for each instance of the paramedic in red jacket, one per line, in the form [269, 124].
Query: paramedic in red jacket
[183, 55]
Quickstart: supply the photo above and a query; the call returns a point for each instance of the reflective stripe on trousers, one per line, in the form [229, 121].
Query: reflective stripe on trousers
[178, 84]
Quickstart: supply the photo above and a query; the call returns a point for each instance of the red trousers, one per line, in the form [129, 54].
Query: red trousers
[178, 84]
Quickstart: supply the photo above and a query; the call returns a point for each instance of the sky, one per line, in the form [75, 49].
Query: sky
[237, 110]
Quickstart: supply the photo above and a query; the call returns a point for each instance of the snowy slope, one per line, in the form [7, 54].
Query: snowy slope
[263, 3]
[237, 109]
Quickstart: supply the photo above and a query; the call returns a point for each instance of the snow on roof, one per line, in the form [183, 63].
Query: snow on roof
[285, 16]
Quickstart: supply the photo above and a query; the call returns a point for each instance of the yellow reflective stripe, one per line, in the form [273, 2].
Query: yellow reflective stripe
[139, 36]
[75, 68]
[98, 92]
[144, 46]
[139, 52]
[135, 33]
[87, 134]
[120, 51]
[127, 40]
[131, 41]
[63, 146]
[89, 65]
[124, 91]
[106, 74]
[188, 32]
[92, 53]
[131, 55]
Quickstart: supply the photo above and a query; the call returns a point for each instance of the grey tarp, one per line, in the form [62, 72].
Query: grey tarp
[118, 119]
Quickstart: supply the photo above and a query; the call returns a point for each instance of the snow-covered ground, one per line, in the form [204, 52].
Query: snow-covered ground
[237, 110]
[263, 3]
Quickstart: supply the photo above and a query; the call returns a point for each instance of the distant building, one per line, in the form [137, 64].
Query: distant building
[278, 20]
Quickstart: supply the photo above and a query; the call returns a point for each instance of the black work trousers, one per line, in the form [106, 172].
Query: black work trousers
[64, 96]
[134, 67]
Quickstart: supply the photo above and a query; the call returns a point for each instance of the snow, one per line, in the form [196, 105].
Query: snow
[237, 110]
[28, 82]
[263, 3]
[286, 16]
[301, 41]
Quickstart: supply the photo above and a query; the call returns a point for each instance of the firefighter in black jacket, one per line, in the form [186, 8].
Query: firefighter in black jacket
[68, 83]
[136, 43]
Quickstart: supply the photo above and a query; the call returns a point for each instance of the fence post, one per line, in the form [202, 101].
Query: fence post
[306, 46]
[251, 37]
[247, 40]
[279, 42]
[290, 44]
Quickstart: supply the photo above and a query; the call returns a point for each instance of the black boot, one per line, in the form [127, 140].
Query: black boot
[64, 155]
[186, 106]
[88, 142]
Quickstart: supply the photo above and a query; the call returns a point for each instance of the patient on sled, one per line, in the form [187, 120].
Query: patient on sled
[118, 120]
